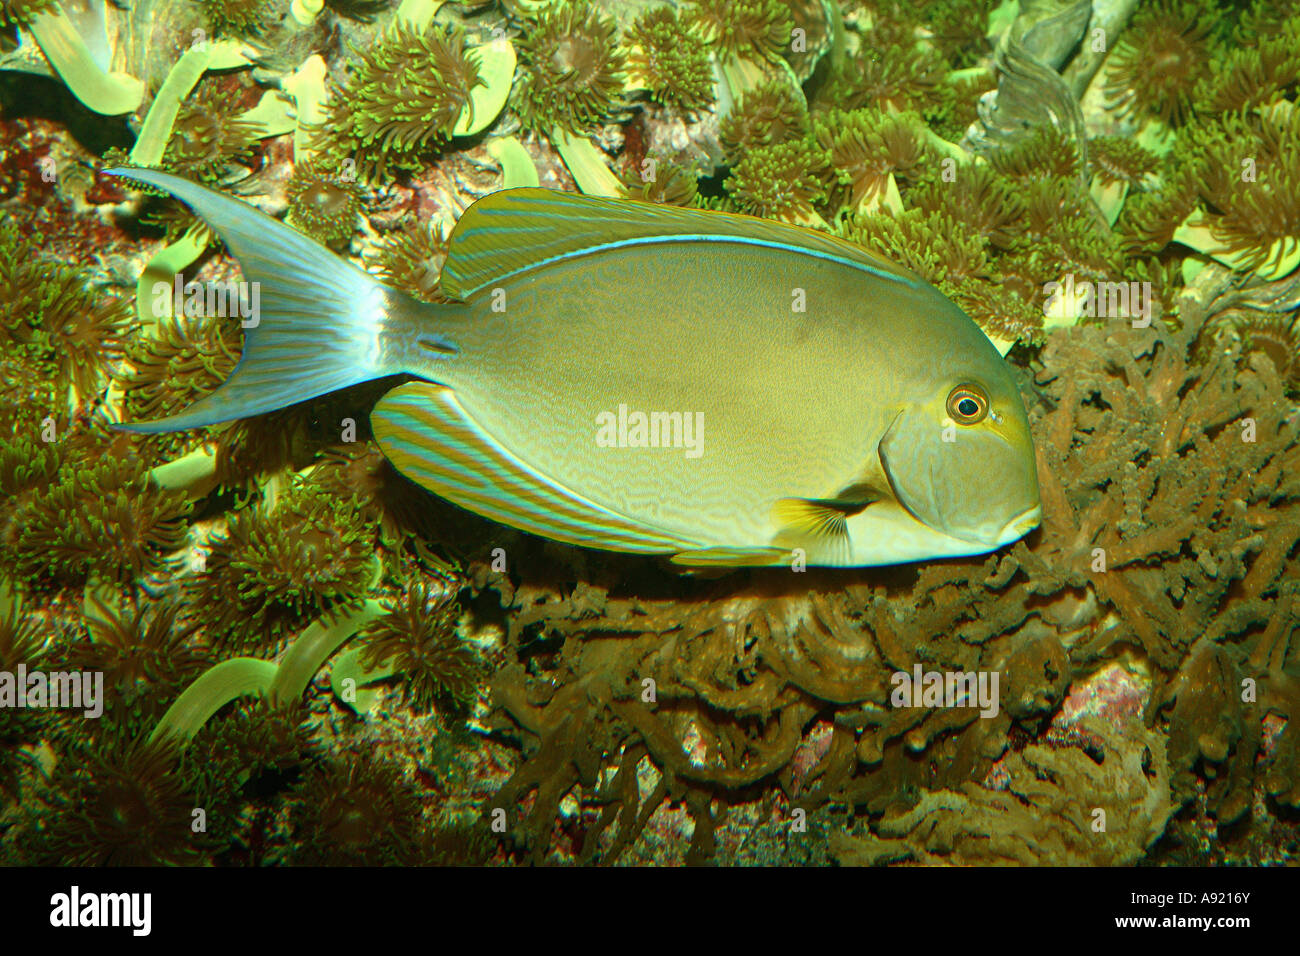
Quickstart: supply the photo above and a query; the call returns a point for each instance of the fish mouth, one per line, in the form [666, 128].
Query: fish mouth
[1021, 524]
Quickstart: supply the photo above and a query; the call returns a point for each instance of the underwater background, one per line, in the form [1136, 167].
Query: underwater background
[307, 659]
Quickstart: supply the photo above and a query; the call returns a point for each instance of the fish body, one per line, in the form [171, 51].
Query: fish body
[649, 379]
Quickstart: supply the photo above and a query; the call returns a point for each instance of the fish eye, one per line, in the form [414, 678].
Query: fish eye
[968, 404]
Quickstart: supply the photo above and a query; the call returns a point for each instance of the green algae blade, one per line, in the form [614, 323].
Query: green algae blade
[586, 164]
[212, 690]
[158, 123]
[348, 677]
[110, 94]
[273, 115]
[195, 473]
[1196, 232]
[306, 11]
[315, 645]
[496, 64]
[418, 13]
[1109, 198]
[307, 87]
[517, 167]
[164, 267]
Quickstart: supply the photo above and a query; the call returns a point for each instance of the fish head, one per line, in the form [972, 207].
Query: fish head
[960, 459]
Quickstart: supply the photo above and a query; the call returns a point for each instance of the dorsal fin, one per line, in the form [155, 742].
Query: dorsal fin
[515, 230]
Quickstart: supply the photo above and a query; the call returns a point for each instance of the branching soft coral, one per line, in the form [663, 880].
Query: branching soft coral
[980, 198]
[780, 182]
[358, 810]
[168, 370]
[1252, 78]
[103, 519]
[138, 649]
[208, 137]
[951, 256]
[898, 77]
[1247, 171]
[1115, 159]
[411, 260]
[417, 638]
[120, 804]
[749, 29]
[866, 147]
[243, 17]
[772, 112]
[322, 204]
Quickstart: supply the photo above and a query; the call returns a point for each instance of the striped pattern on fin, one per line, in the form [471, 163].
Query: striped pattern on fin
[428, 436]
[318, 322]
[515, 230]
[733, 557]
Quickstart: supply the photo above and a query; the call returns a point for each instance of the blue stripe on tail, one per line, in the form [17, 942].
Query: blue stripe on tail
[319, 321]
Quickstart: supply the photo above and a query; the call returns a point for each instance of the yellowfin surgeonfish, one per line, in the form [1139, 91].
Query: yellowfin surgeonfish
[643, 378]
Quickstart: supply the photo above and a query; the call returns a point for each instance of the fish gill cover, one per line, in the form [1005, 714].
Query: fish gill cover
[305, 658]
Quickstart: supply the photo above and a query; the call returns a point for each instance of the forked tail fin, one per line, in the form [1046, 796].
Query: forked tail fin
[318, 323]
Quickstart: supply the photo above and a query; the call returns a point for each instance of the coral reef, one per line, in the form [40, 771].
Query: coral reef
[525, 702]
[417, 638]
[669, 61]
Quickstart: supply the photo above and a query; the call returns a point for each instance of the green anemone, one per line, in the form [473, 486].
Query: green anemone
[402, 100]
[323, 204]
[572, 69]
[669, 60]
[782, 181]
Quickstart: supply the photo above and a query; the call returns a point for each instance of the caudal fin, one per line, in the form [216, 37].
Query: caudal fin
[318, 322]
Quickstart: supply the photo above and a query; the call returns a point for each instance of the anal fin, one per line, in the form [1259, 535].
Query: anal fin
[430, 438]
[732, 557]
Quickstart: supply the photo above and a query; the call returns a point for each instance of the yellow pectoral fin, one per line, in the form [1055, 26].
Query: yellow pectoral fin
[820, 526]
[431, 439]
